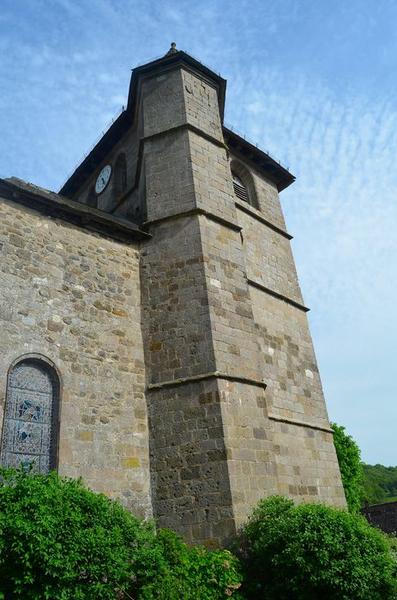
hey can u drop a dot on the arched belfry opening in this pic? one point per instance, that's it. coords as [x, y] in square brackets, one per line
[30, 426]
[120, 176]
[243, 184]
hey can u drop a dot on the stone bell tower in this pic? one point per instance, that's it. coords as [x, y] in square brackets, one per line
[235, 404]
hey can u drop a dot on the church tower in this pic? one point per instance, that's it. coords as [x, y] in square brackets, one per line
[226, 389]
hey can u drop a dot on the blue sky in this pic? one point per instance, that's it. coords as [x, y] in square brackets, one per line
[313, 82]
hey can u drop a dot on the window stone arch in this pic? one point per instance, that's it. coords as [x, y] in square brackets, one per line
[120, 176]
[243, 184]
[30, 426]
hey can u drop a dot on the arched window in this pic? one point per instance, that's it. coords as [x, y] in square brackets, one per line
[120, 176]
[239, 188]
[92, 198]
[243, 184]
[30, 427]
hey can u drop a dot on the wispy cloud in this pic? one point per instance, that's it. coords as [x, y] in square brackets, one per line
[341, 144]
[313, 82]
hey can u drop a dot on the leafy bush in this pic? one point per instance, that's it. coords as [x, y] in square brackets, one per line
[192, 573]
[350, 465]
[392, 542]
[61, 541]
[314, 551]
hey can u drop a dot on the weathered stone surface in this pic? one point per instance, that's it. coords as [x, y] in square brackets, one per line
[97, 352]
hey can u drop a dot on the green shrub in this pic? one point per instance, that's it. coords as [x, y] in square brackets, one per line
[391, 540]
[312, 551]
[192, 573]
[61, 541]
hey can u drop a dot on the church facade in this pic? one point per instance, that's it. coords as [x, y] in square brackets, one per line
[154, 337]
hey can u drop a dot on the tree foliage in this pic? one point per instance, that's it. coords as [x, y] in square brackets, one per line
[60, 540]
[349, 458]
[192, 573]
[314, 551]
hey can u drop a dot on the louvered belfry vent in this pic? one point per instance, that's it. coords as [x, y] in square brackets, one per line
[239, 188]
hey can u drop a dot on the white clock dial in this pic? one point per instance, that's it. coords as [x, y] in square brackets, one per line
[103, 179]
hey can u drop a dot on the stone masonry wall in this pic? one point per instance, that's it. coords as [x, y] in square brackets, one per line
[190, 479]
[294, 388]
[162, 102]
[168, 175]
[268, 258]
[249, 442]
[305, 461]
[74, 297]
[234, 336]
[268, 199]
[176, 323]
[190, 482]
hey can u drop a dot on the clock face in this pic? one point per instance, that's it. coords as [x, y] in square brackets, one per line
[103, 179]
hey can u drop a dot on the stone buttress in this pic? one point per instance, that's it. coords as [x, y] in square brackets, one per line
[229, 423]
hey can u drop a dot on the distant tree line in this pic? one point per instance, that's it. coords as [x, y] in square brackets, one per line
[363, 484]
[380, 484]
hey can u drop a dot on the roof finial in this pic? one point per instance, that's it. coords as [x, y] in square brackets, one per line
[172, 50]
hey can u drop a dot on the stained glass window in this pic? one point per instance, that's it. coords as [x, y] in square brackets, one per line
[31, 416]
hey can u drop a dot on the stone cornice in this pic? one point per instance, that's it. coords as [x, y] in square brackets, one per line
[204, 377]
[191, 213]
[83, 216]
[267, 290]
[300, 423]
[253, 212]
